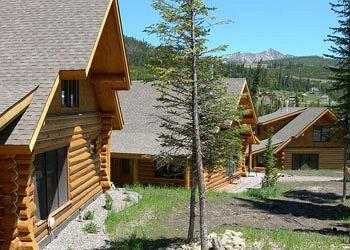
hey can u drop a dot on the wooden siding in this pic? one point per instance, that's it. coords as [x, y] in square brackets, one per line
[329, 158]
[263, 131]
[76, 131]
[216, 179]
[87, 99]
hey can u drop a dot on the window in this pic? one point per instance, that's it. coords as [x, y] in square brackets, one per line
[170, 170]
[304, 161]
[50, 181]
[70, 93]
[126, 166]
[321, 133]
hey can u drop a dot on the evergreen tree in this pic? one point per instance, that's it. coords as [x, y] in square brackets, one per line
[269, 161]
[340, 51]
[194, 101]
[254, 88]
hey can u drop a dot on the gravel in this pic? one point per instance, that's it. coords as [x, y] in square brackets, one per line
[74, 237]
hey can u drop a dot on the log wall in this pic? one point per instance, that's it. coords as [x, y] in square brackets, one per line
[77, 132]
[8, 202]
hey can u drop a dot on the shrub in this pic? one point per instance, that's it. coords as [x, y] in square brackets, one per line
[88, 215]
[108, 202]
[90, 228]
[271, 173]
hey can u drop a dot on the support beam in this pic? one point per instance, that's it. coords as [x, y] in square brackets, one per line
[111, 81]
[135, 171]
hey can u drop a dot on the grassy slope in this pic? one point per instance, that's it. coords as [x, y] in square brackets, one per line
[149, 223]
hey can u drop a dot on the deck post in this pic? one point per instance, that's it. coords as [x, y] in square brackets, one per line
[135, 171]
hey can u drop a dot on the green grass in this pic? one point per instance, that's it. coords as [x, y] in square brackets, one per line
[90, 228]
[88, 215]
[156, 204]
[261, 193]
[288, 240]
[149, 224]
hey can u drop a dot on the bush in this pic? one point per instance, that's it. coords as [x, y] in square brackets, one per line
[88, 215]
[90, 228]
[108, 202]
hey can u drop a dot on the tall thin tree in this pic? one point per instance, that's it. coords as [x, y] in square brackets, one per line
[194, 102]
[340, 51]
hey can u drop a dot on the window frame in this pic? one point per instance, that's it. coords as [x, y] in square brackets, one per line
[297, 160]
[321, 135]
[59, 171]
[169, 164]
[70, 94]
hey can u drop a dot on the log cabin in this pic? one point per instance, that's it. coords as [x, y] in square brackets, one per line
[134, 150]
[303, 138]
[62, 63]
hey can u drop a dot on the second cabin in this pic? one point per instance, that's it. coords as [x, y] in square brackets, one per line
[134, 149]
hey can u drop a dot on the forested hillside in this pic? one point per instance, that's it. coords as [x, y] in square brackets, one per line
[296, 74]
[139, 54]
[304, 66]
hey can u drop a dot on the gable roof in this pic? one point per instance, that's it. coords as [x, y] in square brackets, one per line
[49, 36]
[294, 128]
[142, 126]
[281, 113]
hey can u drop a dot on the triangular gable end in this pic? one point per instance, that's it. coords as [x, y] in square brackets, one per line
[107, 68]
[246, 100]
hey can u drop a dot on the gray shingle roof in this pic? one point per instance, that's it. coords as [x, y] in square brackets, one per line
[39, 38]
[293, 128]
[280, 113]
[142, 127]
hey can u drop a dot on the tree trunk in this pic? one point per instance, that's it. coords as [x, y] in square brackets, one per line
[198, 163]
[190, 235]
[345, 169]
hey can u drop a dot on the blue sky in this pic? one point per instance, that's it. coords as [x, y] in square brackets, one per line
[296, 27]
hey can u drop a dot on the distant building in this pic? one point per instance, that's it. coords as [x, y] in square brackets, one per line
[302, 139]
[314, 90]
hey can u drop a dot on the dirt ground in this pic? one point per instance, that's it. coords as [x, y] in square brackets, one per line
[307, 207]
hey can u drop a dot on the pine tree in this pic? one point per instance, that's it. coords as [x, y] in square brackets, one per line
[269, 161]
[254, 88]
[340, 51]
[194, 102]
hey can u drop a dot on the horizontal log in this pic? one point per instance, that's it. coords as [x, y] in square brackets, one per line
[7, 164]
[83, 171]
[77, 183]
[9, 175]
[81, 165]
[84, 186]
[9, 187]
[25, 169]
[10, 221]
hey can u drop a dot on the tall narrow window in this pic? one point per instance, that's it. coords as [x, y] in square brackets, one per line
[321, 133]
[70, 93]
[50, 181]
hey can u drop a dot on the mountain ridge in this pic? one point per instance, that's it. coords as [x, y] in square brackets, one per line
[267, 55]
